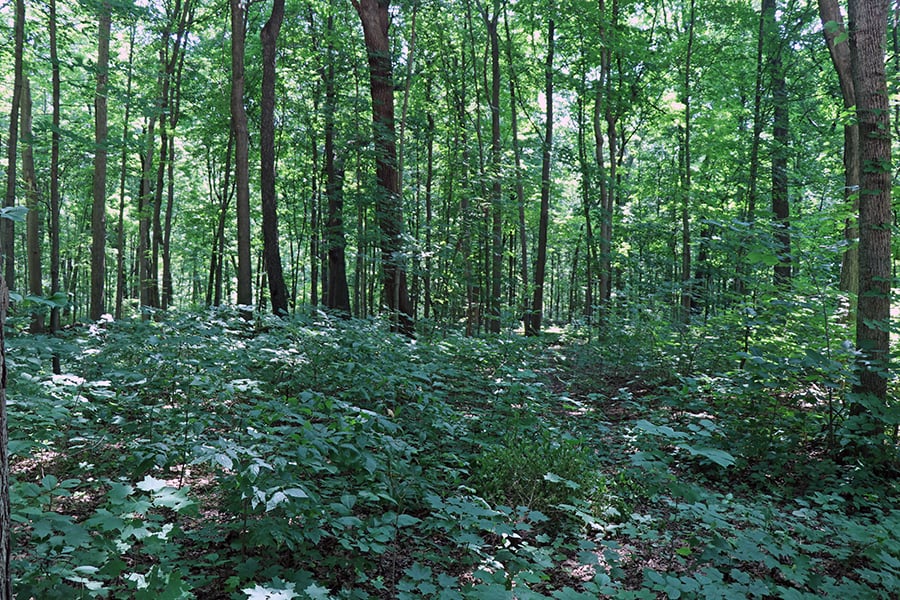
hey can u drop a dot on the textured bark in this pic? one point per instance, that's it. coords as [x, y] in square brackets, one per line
[241, 159]
[54, 178]
[687, 287]
[121, 279]
[271, 249]
[868, 22]
[33, 237]
[535, 316]
[491, 22]
[375, 20]
[98, 211]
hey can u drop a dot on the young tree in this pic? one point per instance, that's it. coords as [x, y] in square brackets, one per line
[375, 18]
[33, 241]
[7, 230]
[271, 250]
[868, 26]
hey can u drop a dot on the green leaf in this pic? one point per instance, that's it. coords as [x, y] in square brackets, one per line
[16, 214]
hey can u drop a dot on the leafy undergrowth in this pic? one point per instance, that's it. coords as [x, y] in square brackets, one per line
[205, 457]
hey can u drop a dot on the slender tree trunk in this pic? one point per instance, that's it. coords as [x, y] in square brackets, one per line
[533, 320]
[145, 211]
[517, 157]
[7, 229]
[5, 538]
[54, 179]
[868, 21]
[491, 22]
[98, 213]
[271, 249]
[780, 200]
[375, 19]
[241, 159]
[687, 288]
[338, 297]
[34, 218]
[839, 49]
[120, 225]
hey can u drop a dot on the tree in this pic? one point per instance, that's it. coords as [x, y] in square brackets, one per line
[375, 20]
[33, 241]
[98, 211]
[868, 23]
[781, 139]
[271, 250]
[534, 317]
[5, 538]
[491, 21]
[7, 230]
[836, 38]
[241, 157]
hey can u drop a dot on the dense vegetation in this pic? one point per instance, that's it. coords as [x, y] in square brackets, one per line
[207, 457]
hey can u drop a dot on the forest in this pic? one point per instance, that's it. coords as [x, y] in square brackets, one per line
[450, 299]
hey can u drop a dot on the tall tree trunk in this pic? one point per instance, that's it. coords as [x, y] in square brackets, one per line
[120, 224]
[241, 159]
[839, 49]
[98, 212]
[338, 294]
[217, 259]
[491, 22]
[517, 157]
[781, 140]
[7, 228]
[271, 249]
[687, 288]
[33, 238]
[54, 179]
[5, 537]
[868, 23]
[145, 211]
[533, 320]
[375, 18]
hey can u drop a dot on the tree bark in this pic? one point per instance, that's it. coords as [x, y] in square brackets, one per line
[839, 49]
[54, 178]
[868, 23]
[241, 160]
[491, 22]
[33, 237]
[5, 537]
[101, 129]
[535, 316]
[121, 280]
[687, 288]
[781, 139]
[375, 20]
[271, 249]
[7, 228]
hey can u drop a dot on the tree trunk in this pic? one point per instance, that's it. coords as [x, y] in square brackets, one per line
[241, 160]
[375, 19]
[98, 212]
[34, 218]
[271, 249]
[5, 538]
[868, 23]
[781, 140]
[533, 319]
[687, 288]
[54, 179]
[491, 22]
[7, 228]
[338, 294]
[839, 49]
[120, 225]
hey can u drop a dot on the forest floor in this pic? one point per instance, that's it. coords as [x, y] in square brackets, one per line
[207, 458]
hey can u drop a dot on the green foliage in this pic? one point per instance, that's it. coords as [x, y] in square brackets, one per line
[318, 458]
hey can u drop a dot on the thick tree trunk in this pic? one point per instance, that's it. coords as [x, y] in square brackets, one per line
[868, 22]
[271, 249]
[375, 20]
[535, 316]
[781, 139]
[33, 237]
[241, 160]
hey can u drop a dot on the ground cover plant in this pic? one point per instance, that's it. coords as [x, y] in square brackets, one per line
[204, 456]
